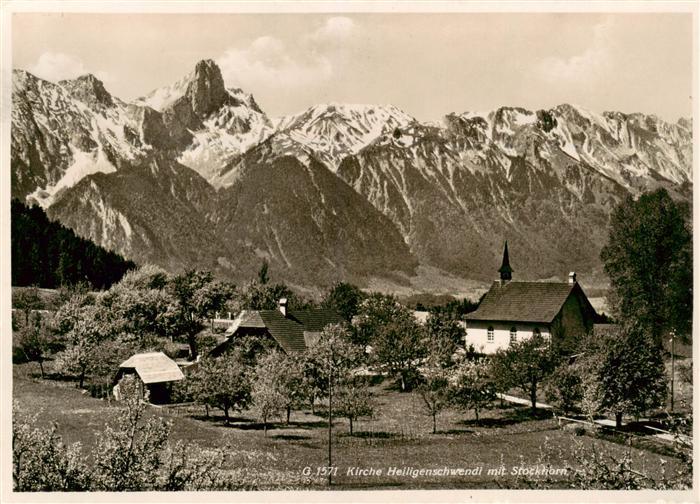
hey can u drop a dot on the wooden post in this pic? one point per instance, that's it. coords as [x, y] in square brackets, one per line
[330, 416]
[673, 364]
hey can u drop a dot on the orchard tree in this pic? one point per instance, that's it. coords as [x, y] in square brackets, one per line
[223, 382]
[434, 390]
[36, 340]
[444, 335]
[353, 399]
[345, 299]
[268, 392]
[471, 386]
[376, 311]
[292, 382]
[649, 261]
[629, 372]
[138, 302]
[194, 298]
[564, 388]
[128, 457]
[26, 300]
[525, 365]
[41, 462]
[87, 332]
[398, 346]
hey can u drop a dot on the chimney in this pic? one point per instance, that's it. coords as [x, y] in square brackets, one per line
[283, 306]
[572, 277]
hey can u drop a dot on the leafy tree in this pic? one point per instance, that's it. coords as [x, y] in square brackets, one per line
[257, 296]
[444, 335]
[27, 300]
[353, 399]
[292, 381]
[525, 364]
[128, 457]
[268, 392]
[455, 309]
[36, 341]
[564, 388]
[434, 391]
[85, 335]
[195, 297]
[132, 454]
[398, 346]
[330, 360]
[649, 261]
[376, 311]
[344, 298]
[222, 382]
[629, 372]
[471, 386]
[41, 462]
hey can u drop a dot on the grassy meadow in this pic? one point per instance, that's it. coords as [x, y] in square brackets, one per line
[400, 435]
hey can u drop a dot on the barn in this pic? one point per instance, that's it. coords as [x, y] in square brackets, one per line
[512, 311]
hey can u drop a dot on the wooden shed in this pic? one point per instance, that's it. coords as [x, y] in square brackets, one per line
[156, 372]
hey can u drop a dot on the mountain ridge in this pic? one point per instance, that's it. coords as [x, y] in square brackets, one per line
[443, 195]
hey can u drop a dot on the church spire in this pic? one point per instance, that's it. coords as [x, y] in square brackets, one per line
[505, 269]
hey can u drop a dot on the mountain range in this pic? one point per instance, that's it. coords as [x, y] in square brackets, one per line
[197, 175]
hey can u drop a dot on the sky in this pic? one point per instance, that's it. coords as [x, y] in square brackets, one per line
[426, 64]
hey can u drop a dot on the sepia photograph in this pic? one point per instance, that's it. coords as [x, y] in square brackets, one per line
[299, 250]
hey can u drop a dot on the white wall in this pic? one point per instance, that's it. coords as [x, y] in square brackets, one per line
[477, 334]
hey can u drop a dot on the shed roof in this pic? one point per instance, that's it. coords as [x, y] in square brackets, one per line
[153, 367]
[524, 301]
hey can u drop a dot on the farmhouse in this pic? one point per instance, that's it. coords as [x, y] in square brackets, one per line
[156, 372]
[512, 311]
[291, 330]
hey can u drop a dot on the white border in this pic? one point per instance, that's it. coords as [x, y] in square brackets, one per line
[185, 7]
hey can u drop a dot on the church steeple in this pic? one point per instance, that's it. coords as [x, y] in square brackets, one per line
[505, 269]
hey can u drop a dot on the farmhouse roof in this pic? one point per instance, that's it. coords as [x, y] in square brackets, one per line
[153, 367]
[247, 319]
[523, 301]
[290, 331]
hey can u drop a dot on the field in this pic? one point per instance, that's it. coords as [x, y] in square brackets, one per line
[399, 436]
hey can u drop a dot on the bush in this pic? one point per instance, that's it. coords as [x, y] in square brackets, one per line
[133, 454]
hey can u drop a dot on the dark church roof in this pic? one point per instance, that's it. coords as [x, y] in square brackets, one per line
[293, 332]
[524, 301]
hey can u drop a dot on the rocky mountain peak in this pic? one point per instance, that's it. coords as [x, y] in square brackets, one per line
[206, 91]
[88, 89]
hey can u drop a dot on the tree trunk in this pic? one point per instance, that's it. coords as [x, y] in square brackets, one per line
[289, 412]
[403, 384]
[476, 414]
[618, 420]
[206, 408]
[41, 368]
[313, 404]
[533, 398]
[265, 427]
[434, 424]
[82, 379]
[226, 415]
[192, 340]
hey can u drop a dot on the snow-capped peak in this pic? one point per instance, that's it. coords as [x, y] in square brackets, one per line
[335, 130]
[161, 98]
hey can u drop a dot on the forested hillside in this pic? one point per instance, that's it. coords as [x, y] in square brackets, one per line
[48, 254]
